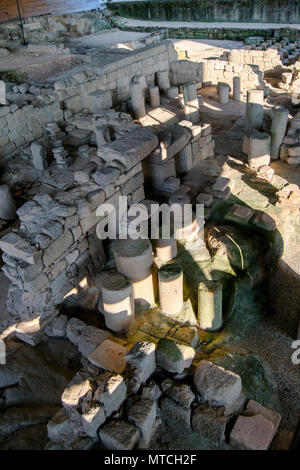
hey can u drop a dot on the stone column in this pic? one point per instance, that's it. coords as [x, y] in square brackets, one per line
[172, 92]
[237, 88]
[134, 259]
[223, 90]
[154, 96]
[100, 136]
[184, 160]
[141, 80]
[210, 305]
[7, 204]
[191, 102]
[166, 249]
[137, 100]
[254, 109]
[118, 306]
[258, 149]
[170, 282]
[39, 157]
[278, 130]
[163, 80]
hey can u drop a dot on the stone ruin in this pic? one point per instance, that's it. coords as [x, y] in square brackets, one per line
[136, 128]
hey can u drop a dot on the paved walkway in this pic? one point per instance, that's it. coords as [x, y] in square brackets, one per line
[205, 25]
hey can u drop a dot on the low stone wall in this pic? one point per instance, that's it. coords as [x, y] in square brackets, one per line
[52, 28]
[20, 123]
[212, 72]
[266, 60]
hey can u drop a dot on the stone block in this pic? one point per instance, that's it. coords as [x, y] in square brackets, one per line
[92, 418]
[111, 392]
[172, 356]
[179, 392]
[77, 390]
[117, 434]
[216, 385]
[210, 422]
[176, 412]
[109, 356]
[74, 329]
[97, 100]
[91, 337]
[252, 433]
[141, 358]
[142, 414]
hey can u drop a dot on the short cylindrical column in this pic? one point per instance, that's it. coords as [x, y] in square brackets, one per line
[278, 130]
[223, 91]
[141, 80]
[172, 92]
[191, 108]
[134, 259]
[237, 88]
[7, 204]
[166, 249]
[154, 96]
[100, 137]
[258, 149]
[137, 100]
[210, 305]
[118, 306]
[184, 160]
[163, 80]
[170, 285]
[254, 109]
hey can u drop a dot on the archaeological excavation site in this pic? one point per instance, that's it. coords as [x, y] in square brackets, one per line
[149, 225]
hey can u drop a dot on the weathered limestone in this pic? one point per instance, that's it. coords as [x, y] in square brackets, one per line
[237, 88]
[176, 412]
[210, 422]
[172, 92]
[141, 80]
[117, 296]
[210, 305]
[134, 259]
[90, 338]
[92, 418]
[3, 99]
[38, 154]
[223, 90]
[154, 96]
[278, 130]
[184, 160]
[258, 149]
[109, 356]
[216, 385]
[191, 102]
[117, 434]
[163, 80]
[141, 358]
[254, 109]
[174, 357]
[111, 392]
[170, 281]
[166, 249]
[7, 204]
[142, 414]
[179, 392]
[239, 214]
[137, 100]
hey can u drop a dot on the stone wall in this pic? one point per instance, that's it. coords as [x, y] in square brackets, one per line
[268, 11]
[52, 28]
[267, 60]
[212, 72]
[20, 123]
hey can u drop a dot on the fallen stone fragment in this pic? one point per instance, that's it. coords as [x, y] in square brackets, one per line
[7, 204]
[111, 392]
[77, 389]
[172, 356]
[143, 414]
[90, 338]
[252, 433]
[141, 358]
[119, 435]
[109, 356]
[61, 429]
[179, 392]
[176, 412]
[210, 422]
[92, 418]
[216, 385]
[75, 327]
